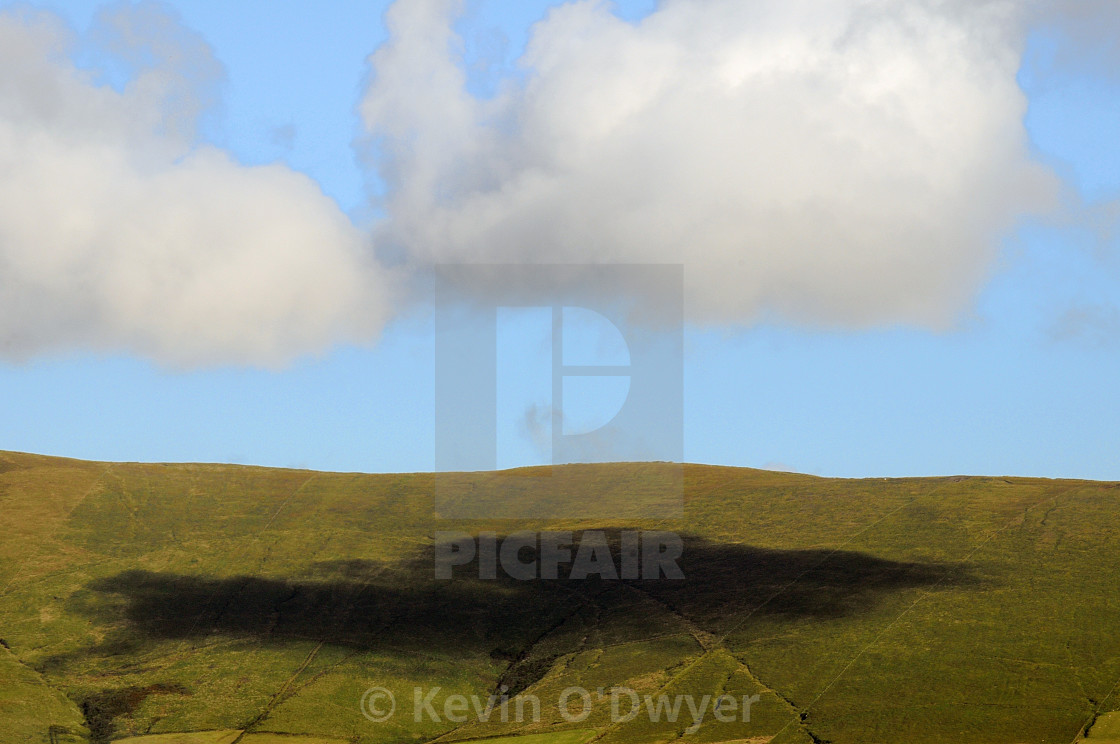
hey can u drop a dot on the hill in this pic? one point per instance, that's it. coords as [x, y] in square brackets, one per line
[259, 605]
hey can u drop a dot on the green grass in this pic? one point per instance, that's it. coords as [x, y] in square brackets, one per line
[30, 708]
[195, 737]
[229, 737]
[1105, 729]
[574, 736]
[142, 600]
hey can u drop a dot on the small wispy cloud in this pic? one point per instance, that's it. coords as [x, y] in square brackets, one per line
[535, 426]
[1093, 324]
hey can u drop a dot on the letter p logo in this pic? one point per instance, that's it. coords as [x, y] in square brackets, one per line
[562, 365]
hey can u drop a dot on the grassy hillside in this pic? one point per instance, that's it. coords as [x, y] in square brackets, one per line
[246, 603]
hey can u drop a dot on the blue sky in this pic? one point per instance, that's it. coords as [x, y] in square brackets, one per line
[1022, 380]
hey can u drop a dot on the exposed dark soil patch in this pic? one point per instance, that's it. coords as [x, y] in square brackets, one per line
[101, 709]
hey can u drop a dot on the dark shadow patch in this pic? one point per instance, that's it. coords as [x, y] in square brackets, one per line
[723, 580]
[369, 605]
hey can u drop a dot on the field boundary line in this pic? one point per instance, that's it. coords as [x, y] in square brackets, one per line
[277, 697]
[1096, 712]
[720, 640]
[38, 551]
[922, 597]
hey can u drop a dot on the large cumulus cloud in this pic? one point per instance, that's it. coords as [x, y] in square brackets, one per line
[842, 162]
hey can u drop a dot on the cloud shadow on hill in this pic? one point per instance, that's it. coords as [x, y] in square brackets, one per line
[370, 604]
[401, 607]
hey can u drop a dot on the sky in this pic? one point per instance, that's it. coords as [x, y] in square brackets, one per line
[897, 222]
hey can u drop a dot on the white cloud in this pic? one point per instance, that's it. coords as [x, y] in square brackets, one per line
[119, 232]
[849, 162]
[837, 162]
